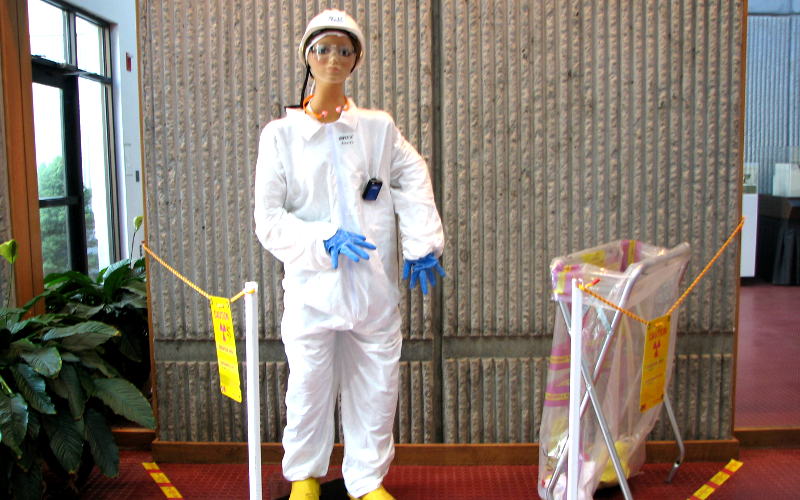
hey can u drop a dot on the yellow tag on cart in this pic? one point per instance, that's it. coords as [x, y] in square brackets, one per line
[597, 258]
[561, 285]
[654, 363]
[226, 348]
[631, 252]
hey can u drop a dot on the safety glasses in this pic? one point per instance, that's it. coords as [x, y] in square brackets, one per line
[323, 51]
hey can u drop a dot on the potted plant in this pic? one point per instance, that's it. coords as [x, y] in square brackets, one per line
[58, 391]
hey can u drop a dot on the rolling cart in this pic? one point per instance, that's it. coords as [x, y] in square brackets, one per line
[618, 351]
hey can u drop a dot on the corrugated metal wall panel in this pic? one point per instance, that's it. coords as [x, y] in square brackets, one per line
[493, 400]
[772, 133]
[415, 421]
[548, 126]
[794, 96]
[193, 412]
[701, 395]
[485, 400]
[500, 399]
[649, 153]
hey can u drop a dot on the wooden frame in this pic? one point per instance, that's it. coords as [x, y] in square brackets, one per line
[15, 54]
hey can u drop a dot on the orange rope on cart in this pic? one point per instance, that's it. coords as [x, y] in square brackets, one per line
[585, 288]
[186, 280]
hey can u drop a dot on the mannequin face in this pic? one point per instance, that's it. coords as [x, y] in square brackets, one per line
[331, 60]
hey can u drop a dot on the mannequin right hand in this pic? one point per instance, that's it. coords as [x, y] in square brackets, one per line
[349, 244]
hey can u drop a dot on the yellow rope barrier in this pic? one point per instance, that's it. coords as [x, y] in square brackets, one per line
[708, 266]
[678, 302]
[615, 306]
[185, 279]
[584, 288]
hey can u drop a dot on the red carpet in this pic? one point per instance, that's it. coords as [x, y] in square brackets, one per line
[770, 474]
[767, 377]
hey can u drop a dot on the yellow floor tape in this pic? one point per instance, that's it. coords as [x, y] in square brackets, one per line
[715, 482]
[161, 480]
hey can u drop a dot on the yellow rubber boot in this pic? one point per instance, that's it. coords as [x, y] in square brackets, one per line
[307, 489]
[378, 494]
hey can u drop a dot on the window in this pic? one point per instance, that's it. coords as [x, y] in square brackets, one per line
[72, 95]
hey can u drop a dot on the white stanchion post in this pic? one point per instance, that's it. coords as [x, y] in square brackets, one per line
[575, 391]
[253, 384]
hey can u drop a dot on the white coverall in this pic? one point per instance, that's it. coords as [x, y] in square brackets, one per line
[341, 328]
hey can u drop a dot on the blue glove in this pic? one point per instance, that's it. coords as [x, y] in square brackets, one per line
[422, 270]
[347, 243]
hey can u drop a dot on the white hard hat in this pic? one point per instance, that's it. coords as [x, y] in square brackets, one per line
[332, 19]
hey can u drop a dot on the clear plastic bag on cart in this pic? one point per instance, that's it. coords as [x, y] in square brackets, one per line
[638, 277]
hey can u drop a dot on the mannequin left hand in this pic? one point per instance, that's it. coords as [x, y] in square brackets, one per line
[422, 271]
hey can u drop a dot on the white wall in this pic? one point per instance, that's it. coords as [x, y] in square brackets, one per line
[121, 14]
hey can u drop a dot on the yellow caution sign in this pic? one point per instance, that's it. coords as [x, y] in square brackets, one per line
[654, 363]
[226, 348]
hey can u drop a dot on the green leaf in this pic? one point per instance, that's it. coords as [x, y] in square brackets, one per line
[130, 349]
[91, 359]
[30, 454]
[82, 336]
[87, 382]
[10, 316]
[139, 266]
[43, 320]
[5, 409]
[101, 443]
[34, 425]
[121, 266]
[133, 302]
[19, 326]
[22, 345]
[5, 387]
[32, 387]
[45, 360]
[83, 311]
[17, 348]
[69, 357]
[8, 250]
[58, 386]
[13, 421]
[66, 441]
[136, 287]
[73, 278]
[117, 275]
[126, 400]
[76, 396]
[137, 222]
[28, 485]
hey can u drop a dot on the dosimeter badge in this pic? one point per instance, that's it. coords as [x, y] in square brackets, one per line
[372, 189]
